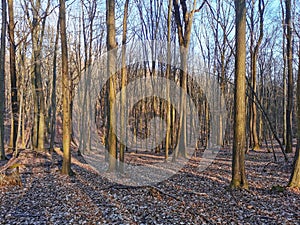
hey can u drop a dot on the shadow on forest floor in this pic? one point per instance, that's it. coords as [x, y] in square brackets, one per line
[189, 197]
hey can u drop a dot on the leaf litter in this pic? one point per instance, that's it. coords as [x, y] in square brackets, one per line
[189, 197]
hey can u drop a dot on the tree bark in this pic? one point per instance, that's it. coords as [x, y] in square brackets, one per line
[2, 79]
[123, 85]
[37, 26]
[295, 176]
[290, 85]
[254, 54]
[238, 157]
[111, 65]
[168, 73]
[53, 96]
[184, 29]
[66, 167]
[13, 74]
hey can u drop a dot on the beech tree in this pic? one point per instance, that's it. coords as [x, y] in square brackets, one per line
[239, 139]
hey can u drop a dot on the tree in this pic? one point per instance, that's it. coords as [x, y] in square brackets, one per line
[239, 140]
[295, 176]
[66, 97]
[53, 96]
[37, 28]
[168, 73]
[13, 74]
[290, 83]
[2, 79]
[123, 85]
[184, 22]
[254, 50]
[111, 66]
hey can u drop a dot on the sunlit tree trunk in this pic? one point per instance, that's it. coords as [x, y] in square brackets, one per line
[238, 158]
[66, 167]
[111, 65]
[184, 29]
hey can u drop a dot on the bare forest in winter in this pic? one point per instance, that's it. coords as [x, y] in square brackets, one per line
[150, 112]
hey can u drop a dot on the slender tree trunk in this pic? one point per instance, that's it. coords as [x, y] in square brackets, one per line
[2, 79]
[168, 73]
[66, 167]
[53, 97]
[238, 161]
[123, 85]
[13, 74]
[254, 111]
[284, 75]
[254, 55]
[290, 85]
[295, 176]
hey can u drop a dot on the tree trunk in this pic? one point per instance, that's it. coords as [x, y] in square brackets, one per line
[184, 36]
[111, 65]
[13, 74]
[290, 86]
[37, 32]
[123, 94]
[284, 75]
[295, 176]
[254, 54]
[66, 167]
[168, 73]
[53, 97]
[2, 79]
[238, 157]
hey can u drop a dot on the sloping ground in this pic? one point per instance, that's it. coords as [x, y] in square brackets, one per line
[189, 197]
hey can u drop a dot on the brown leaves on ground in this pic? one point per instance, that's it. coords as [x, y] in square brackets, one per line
[189, 197]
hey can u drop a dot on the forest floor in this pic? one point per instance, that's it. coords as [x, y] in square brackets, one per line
[189, 197]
